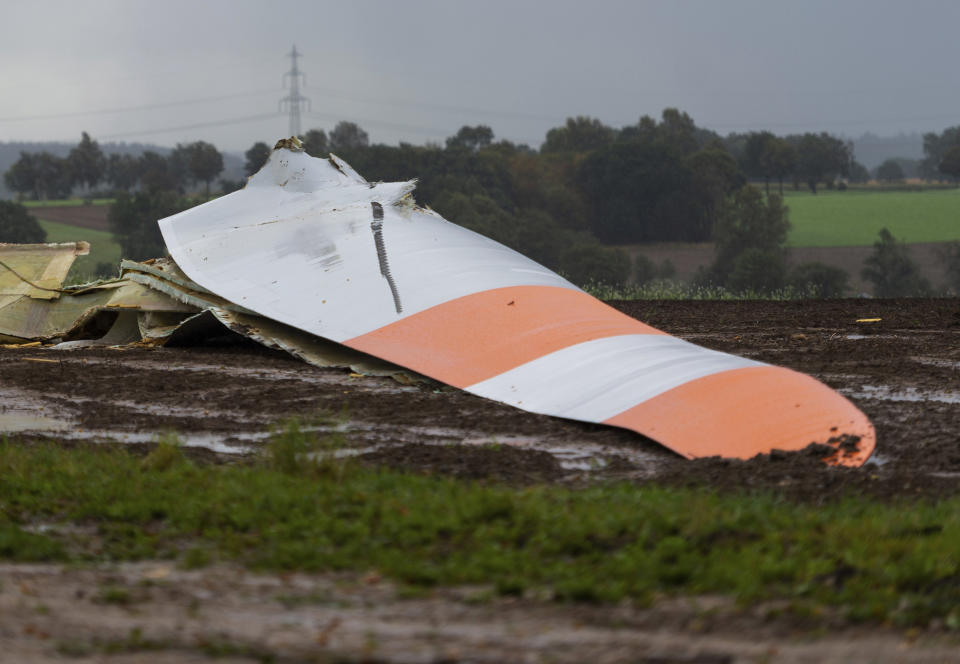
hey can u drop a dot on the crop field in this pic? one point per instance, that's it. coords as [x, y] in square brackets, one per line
[853, 218]
[176, 504]
[36, 206]
[102, 247]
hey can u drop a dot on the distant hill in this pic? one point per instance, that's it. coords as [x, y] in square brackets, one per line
[9, 153]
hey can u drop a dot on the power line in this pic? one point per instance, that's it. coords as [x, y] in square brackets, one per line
[432, 106]
[145, 107]
[198, 125]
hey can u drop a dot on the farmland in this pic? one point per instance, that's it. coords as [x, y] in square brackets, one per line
[102, 247]
[474, 525]
[839, 228]
[854, 217]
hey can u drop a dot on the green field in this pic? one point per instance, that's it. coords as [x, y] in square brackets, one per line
[65, 202]
[290, 510]
[102, 248]
[853, 218]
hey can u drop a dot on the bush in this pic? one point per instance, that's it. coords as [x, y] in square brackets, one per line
[950, 256]
[19, 226]
[892, 271]
[819, 280]
[759, 270]
[645, 270]
[592, 263]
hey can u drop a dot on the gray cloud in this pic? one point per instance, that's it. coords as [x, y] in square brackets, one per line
[417, 70]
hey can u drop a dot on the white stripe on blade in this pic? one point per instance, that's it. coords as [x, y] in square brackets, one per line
[599, 379]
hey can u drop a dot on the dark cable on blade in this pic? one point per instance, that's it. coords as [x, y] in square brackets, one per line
[377, 227]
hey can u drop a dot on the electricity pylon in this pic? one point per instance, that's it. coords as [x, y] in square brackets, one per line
[294, 101]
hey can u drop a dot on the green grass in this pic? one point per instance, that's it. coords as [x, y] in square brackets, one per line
[854, 217]
[870, 561]
[102, 248]
[66, 202]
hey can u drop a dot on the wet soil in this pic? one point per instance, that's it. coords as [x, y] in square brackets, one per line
[83, 216]
[903, 371]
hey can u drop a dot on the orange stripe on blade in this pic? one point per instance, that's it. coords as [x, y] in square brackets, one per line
[475, 337]
[744, 412]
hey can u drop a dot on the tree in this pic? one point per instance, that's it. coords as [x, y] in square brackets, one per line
[21, 177]
[820, 158]
[892, 271]
[155, 172]
[935, 147]
[754, 150]
[716, 174]
[42, 175]
[178, 166]
[579, 134]
[890, 171]
[315, 143]
[348, 136]
[471, 138]
[53, 176]
[950, 164]
[18, 225]
[123, 171]
[133, 221]
[204, 162]
[85, 163]
[780, 160]
[678, 130]
[257, 156]
[859, 173]
[751, 237]
[641, 191]
[767, 157]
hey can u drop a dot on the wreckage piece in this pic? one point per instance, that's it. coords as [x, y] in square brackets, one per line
[30, 273]
[153, 303]
[214, 313]
[34, 306]
[311, 244]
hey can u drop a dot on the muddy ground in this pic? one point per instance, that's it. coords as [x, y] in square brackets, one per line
[902, 371]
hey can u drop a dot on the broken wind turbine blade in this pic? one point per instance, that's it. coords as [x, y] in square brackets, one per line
[310, 243]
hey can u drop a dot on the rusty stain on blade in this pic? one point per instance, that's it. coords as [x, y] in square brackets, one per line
[482, 317]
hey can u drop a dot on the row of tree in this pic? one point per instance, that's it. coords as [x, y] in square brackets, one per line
[590, 185]
[43, 176]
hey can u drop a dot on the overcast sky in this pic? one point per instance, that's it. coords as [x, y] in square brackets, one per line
[168, 71]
